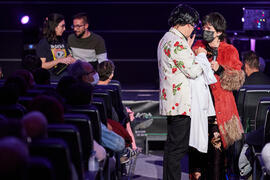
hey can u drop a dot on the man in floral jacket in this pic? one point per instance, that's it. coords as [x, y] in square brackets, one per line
[176, 63]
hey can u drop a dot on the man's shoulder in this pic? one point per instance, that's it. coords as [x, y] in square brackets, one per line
[96, 36]
[257, 78]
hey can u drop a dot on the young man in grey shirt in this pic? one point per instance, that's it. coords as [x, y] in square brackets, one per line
[85, 44]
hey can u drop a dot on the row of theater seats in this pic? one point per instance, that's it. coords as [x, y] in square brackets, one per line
[253, 103]
[72, 142]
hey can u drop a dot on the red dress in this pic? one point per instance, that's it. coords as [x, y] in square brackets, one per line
[231, 78]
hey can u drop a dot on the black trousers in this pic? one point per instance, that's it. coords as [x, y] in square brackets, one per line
[176, 146]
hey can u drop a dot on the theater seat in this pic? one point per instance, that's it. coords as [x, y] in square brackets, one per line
[57, 152]
[70, 134]
[83, 124]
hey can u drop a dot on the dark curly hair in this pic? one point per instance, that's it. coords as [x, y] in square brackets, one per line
[217, 21]
[105, 69]
[182, 15]
[49, 25]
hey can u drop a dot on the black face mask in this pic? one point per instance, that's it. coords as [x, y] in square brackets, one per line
[208, 36]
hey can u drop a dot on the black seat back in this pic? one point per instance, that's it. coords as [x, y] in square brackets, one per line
[40, 168]
[115, 93]
[25, 101]
[262, 108]
[252, 98]
[57, 152]
[267, 127]
[70, 134]
[13, 111]
[83, 124]
[99, 103]
[104, 94]
[94, 116]
[241, 96]
[240, 101]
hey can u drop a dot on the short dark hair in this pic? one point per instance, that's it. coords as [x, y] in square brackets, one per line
[182, 15]
[31, 62]
[252, 59]
[42, 76]
[217, 21]
[76, 70]
[105, 69]
[81, 15]
[80, 93]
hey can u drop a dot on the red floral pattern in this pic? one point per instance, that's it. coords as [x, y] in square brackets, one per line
[176, 88]
[164, 96]
[178, 47]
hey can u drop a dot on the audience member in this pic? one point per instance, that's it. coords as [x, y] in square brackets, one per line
[42, 76]
[13, 159]
[52, 49]
[81, 94]
[27, 76]
[50, 107]
[252, 70]
[18, 84]
[31, 62]
[64, 83]
[84, 72]
[35, 125]
[85, 44]
[106, 72]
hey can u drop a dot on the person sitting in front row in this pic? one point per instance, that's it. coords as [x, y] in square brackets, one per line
[252, 70]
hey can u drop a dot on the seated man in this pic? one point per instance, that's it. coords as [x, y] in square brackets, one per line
[35, 125]
[252, 66]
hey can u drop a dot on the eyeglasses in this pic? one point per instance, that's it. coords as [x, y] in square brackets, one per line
[77, 26]
[87, 73]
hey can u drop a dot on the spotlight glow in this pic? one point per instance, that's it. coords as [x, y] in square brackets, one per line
[243, 19]
[25, 19]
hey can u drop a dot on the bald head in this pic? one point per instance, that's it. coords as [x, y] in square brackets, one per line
[35, 124]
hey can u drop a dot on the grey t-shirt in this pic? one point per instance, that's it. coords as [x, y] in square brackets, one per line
[90, 49]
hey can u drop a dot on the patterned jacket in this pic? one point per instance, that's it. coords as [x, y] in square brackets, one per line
[176, 66]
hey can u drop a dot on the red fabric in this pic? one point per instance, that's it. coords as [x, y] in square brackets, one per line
[225, 105]
[121, 131]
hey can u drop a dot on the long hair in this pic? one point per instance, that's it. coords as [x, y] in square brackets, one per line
[50, 23]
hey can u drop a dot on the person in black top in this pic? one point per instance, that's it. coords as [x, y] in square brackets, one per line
[52, 49]
[252, 65]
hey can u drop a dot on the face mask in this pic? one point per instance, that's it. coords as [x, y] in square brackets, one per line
[208, 36]
[96, 79]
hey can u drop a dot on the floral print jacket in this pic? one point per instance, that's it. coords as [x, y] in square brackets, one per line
[176, 66]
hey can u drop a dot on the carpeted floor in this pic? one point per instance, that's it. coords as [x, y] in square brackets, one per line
[149, 167]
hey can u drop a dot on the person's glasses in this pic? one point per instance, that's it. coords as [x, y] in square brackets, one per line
[87, 73]
[77, 26]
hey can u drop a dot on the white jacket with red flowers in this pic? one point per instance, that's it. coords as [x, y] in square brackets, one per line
[176, 66]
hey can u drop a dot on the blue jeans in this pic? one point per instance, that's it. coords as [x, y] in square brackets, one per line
[111, 140]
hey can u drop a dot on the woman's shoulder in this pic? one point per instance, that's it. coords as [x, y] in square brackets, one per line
[43, 42]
